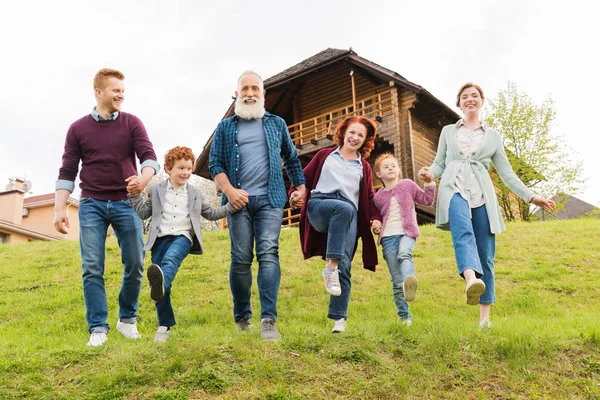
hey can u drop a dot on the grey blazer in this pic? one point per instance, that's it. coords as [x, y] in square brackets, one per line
[153, 207]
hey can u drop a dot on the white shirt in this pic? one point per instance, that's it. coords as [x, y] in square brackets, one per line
[176, 215]
[468, 144]
[393, 225]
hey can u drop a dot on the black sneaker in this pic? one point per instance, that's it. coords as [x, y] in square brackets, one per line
[157, 282]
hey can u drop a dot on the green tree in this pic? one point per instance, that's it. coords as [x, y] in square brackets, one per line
[539, 157]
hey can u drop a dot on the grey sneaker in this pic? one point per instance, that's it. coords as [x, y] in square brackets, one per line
[243, 325]
[157, 282]
[331, 277]
[410, 287]
[268, 330]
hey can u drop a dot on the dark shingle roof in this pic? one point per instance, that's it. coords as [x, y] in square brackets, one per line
[320, 58]
[572, 207]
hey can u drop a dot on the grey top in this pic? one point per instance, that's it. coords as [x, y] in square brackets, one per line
[254, 156]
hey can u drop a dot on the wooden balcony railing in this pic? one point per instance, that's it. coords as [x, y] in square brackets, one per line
[319, 127]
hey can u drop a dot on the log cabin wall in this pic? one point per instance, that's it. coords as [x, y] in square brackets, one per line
[404, 152]
[331, 90]
[425, 139]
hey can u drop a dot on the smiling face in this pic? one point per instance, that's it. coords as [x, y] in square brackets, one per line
[250, 97]
[354, 137]
[111, 96]
[180, 173]
[470, 101]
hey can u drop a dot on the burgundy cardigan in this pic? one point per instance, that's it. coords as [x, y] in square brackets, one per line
[314, 243]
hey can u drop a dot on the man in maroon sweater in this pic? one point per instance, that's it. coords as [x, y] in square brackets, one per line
[107, 143]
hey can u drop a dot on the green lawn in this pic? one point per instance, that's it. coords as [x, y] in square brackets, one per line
[545, 342]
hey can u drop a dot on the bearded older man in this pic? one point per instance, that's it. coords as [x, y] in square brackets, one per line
[245, 162]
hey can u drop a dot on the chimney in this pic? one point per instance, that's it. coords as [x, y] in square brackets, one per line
[11, 201]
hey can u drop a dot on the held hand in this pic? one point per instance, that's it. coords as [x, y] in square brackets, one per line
[133, 185]
[238, 198]
[61, 221]
[546, 204]
[425, 175]
[296, 199]
[376, 226]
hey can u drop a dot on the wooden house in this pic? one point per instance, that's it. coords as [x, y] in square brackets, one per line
[316, 94]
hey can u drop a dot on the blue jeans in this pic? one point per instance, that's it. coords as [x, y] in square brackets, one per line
[168, 252]
[397, 251]
[258, 223]
[474, 244]
[335, 215]
[94, 218]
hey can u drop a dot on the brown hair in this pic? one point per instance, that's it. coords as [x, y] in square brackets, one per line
[176, 154]
[466, 86]
[369, 143]
[103, 75]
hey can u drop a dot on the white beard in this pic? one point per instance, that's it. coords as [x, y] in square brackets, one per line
[250, 111]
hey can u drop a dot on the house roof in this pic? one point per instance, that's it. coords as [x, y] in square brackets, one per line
[572, 207]
[331, 55]
[318, 60]
[7, 226]
[327, 57]
[44, 200]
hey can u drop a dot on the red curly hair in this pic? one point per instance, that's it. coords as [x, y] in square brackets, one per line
[369, 143]
[102, 76]
[176, 154]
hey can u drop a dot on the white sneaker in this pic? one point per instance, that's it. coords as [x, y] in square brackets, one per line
[406, 322]
[339, 326]
[97, 339]
[331, 277]
[485, 324]
[128, 330]
[410, 287]
[162, 334]
[474, 290]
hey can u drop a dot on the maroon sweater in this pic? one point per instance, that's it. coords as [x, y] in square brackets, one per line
[313, 242]
[107, 151]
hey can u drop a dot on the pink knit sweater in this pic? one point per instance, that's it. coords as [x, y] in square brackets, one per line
[407, 193]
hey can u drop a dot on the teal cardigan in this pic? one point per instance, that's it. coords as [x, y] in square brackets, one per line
[448, 164]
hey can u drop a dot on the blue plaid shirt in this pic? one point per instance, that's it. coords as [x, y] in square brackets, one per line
[225, 156]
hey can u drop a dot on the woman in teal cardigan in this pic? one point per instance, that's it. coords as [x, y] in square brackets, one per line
[467, 204]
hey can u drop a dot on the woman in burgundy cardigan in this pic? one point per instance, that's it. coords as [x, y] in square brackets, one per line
[338, 209]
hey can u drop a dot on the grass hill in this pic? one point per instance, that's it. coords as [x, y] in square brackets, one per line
[545, 342]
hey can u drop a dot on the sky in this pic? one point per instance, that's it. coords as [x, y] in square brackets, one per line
[182, 58]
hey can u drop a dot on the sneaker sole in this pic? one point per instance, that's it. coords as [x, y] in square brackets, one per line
[474, 293]
[156, 279]
[410, 288]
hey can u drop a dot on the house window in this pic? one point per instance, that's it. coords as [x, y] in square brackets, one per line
[4, 237]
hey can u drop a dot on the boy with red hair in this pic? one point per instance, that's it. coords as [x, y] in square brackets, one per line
[175, 207]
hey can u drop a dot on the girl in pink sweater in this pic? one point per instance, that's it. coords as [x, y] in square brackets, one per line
[399, 230]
